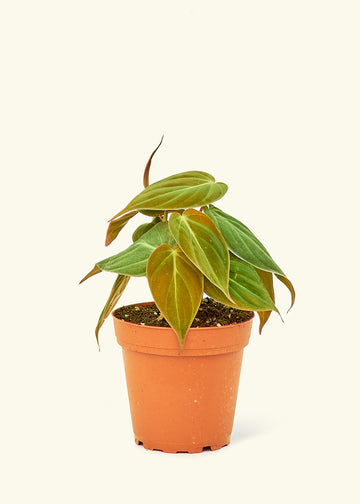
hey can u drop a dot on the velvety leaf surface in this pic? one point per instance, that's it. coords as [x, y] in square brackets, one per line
[203, 244]
[144, 228]
[176, 286]
[187, 189]
[245, 288]
[116, 291]
[116, 226]
[132, 261]
[242, 242]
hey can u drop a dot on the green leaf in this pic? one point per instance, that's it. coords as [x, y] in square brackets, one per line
[267, 279]
[93, 272]
[132, 261]
[116, 226]
[176, 286]
[144, 228]
[116, 291]
[203, 244]
[187, 189]
[242, 242]
[245, 288]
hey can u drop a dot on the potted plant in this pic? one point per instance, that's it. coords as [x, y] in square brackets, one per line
[183, 352]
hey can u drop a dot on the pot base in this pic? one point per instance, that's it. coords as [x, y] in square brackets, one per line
[170, 449]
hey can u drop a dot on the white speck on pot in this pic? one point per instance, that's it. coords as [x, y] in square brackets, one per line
[218, 325]
[195, 400]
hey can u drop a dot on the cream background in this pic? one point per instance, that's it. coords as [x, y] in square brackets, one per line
[265, 96]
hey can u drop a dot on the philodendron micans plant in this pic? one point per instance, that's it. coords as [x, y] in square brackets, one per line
[185, 252]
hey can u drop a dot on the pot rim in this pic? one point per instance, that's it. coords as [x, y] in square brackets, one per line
[198, 340]
[146, 303]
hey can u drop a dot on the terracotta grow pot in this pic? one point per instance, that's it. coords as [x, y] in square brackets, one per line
[182, 402]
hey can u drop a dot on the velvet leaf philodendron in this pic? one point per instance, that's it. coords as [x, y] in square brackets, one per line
[185, 252]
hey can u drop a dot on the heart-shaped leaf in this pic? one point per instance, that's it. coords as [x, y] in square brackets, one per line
[187, 189]
[245, 287]
[132, 261]
[242, 242]
[116, 226]
[203, 244]
[176, 286]
[116, 291]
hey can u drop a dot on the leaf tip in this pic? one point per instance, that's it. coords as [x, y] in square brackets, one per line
[97, 336]
[148, 164]
[93, 272]
[292, 302]
[181, 340]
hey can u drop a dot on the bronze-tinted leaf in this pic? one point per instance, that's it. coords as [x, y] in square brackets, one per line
[176, 286]
[93, 272]
[148, 164]
[116, 226]
[267, 279]
[116, 291]
[184, 190]
[289, 285]
[203, 244]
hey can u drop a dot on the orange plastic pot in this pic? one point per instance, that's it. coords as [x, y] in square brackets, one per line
[182, 402]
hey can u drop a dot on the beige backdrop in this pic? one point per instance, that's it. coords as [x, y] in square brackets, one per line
[265, 96]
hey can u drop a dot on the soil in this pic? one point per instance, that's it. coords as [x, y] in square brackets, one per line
[210, 314]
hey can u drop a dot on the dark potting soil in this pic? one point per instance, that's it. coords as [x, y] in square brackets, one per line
[210, 314]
